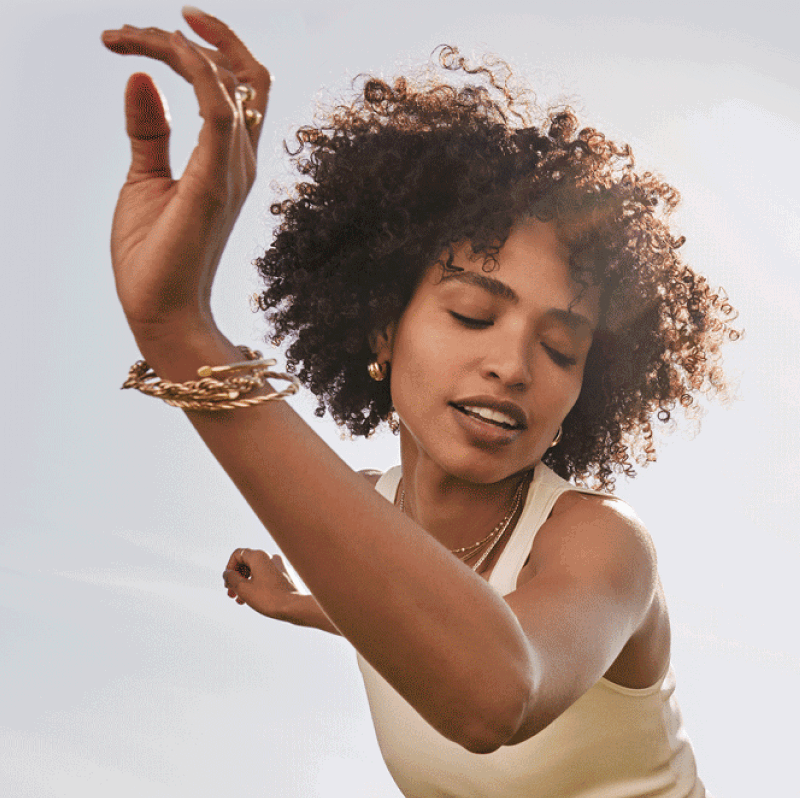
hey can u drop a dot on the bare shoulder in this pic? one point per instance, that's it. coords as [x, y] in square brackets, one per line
[602, 513]
[594, 559]
[595, 533]
[371, 475]
[608, 532]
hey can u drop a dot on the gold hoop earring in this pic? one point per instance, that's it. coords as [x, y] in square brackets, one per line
[557, 438]
[378, 371]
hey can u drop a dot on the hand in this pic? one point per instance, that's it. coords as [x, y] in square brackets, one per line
[168, 235]
[261, 581]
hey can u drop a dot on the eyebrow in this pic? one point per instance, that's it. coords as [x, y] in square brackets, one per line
[491, 284]
[500, 289]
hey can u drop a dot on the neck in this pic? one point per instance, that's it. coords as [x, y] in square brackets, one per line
[454, 511]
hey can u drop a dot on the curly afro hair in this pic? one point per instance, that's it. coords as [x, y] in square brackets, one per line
[394, 179]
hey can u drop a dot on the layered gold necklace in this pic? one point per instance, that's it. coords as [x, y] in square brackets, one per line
[493, 538]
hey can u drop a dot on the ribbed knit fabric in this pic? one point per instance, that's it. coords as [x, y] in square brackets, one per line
[614, 742]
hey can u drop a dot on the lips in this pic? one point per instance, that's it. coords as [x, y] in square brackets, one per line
[503, 414]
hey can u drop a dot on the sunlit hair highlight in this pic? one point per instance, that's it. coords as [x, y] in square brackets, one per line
[394, 178]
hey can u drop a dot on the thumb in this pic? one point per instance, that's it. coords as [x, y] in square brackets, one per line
[147, 124]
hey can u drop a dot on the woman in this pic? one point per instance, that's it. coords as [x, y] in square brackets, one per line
[510, 299]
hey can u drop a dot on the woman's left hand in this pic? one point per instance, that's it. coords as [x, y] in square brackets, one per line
[261, 581]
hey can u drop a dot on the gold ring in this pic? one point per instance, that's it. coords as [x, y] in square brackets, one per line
[244, 93]
[252, 117]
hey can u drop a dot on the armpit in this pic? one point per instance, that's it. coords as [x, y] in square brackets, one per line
[371, 475]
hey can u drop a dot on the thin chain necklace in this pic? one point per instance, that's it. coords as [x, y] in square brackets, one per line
[492, 539]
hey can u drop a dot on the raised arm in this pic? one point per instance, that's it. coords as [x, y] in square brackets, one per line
[436, 631]
[262, 583]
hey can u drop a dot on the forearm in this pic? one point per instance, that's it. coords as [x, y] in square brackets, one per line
[431, 627]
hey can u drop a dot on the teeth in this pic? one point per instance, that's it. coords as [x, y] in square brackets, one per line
[491, 415]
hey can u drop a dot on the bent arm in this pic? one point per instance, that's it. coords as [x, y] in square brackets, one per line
[436, 631]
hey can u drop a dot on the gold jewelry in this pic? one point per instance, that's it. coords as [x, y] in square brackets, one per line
[378, 371]
[557, 438]
[492, 539]
[252, 117]
[244, 93]
[211, 393]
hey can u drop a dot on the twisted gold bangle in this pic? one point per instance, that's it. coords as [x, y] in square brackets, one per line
[211, 393]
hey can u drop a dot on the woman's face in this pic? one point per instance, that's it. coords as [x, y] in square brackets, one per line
[486, 365]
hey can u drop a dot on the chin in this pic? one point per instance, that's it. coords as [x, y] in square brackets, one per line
[468, 463]
[483, 471]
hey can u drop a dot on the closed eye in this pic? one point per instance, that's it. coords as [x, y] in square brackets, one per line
[472, 324]
[559, 358]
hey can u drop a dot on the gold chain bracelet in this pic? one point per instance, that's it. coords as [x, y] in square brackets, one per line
[211, 393]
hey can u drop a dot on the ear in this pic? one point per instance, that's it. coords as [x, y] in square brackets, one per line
[382, 341]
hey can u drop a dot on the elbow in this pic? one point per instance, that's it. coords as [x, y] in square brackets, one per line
[483, 744]
[487, 737]
[498, 724]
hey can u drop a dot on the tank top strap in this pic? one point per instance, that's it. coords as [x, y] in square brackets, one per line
[545, 489]
[388, 482]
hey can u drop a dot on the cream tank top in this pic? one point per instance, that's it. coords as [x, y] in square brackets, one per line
[613, 742]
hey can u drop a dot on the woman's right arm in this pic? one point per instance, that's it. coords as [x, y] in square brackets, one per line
[435, 630]
[262, 582]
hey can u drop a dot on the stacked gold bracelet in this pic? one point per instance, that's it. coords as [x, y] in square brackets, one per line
[211, 393]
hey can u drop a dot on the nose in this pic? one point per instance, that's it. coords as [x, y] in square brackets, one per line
[508, 360]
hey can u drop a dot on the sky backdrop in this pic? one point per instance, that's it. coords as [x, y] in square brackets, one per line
[126, 670]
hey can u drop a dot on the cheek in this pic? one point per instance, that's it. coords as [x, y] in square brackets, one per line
[572, 384]
[413, 381]
[562, 389]
[420, 370]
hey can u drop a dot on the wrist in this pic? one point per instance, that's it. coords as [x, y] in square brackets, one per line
[296, 608]
[177, 348]
[302, 609]
[189, 323]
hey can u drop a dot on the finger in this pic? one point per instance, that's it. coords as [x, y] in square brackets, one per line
[166, 47]
[233, 564]
[150, 42]
[171, 48]
[238, 556]
[244, 564]
[244, 66]
[147, 123]
[235, 582]
[235, 558]
[221, 121]
[156, 43]
[222, 108]
[217, 106]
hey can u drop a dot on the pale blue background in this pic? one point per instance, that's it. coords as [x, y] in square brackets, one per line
[125, 669]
